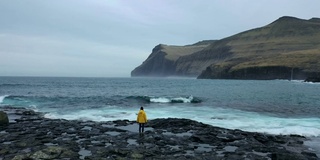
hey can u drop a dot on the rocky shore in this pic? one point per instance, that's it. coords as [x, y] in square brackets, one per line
[30, 136]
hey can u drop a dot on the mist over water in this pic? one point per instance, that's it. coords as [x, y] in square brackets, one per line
[276, 107]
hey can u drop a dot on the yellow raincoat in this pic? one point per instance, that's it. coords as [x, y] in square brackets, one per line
[142, 117]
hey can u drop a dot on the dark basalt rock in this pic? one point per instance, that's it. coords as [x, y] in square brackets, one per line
[34, 137]
[312, 79]
[256, 73]
[3, 119]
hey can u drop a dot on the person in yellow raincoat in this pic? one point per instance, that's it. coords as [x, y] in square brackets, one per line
[141, 119]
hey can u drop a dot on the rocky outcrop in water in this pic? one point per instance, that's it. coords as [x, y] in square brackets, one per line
[270, 52]
[30, 136]
[313, 79]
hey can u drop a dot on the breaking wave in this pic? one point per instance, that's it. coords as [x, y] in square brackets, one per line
[153, 99]
[91, 101]
[3, 97]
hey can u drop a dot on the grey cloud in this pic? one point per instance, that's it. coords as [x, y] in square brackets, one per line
[91, 38]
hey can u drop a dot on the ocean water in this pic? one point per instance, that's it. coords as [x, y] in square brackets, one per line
[275, 106]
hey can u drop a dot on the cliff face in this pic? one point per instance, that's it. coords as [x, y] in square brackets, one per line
[287, 48]
[156, 64]
[163, 61]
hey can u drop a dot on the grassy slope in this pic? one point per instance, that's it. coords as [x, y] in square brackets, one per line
[174, 52]
[287, 42]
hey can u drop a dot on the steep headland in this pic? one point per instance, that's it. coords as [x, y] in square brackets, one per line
[163, 60]
[287, 48]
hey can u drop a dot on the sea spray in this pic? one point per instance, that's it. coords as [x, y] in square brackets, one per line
[276, 107]
[226, 118]
[189, 99]
[2, 98]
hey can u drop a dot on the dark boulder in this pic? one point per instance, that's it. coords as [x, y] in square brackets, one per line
[4, 120]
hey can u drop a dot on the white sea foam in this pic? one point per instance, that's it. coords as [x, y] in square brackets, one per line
[169, 100]
[3, 97]
[34, 108]
[184, 100]
[226, 118]
[160, 100]
[315, 83]
[102, 114]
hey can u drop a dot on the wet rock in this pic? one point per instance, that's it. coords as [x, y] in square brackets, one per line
[287, 156]
[312, 79]
[196, 139]
[22, 157]
[4, 151]
[4, 120]
[48, 153]
[121, 122]
[309, 154]
[28, 112]
[52, 152]
[261, 138]
[172, 138]
[136, 155]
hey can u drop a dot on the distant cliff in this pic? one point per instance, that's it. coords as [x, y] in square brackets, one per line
[287, 48]
[164, 61]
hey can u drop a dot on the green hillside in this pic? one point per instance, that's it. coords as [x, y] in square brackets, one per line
[275, 51]
[265, 52]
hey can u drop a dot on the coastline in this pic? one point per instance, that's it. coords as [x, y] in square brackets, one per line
[30, 135]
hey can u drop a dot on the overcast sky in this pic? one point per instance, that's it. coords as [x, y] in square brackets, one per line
[109, 38]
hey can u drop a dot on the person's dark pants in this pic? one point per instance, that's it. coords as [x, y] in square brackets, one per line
[141, 127]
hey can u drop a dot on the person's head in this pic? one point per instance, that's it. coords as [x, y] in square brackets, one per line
[141, 108]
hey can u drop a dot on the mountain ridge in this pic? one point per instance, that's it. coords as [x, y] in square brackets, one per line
[273, 51]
